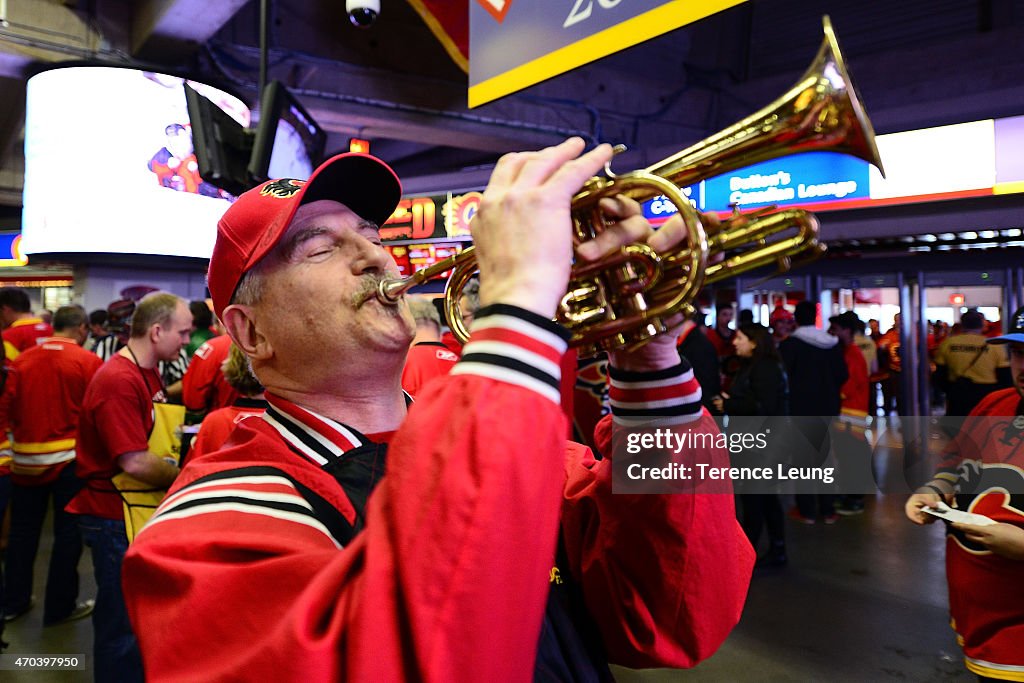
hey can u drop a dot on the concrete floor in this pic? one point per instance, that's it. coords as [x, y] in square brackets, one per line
[861, 600]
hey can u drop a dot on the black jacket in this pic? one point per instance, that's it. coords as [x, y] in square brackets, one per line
[759, 388]
[700, 352]
[816, 370]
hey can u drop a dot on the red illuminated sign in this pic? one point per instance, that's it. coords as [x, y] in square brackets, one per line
[413, 257]
[414, 218]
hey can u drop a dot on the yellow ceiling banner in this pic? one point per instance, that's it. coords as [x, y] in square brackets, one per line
[514, 44]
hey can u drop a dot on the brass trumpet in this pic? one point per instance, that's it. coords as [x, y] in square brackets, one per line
[623, 300]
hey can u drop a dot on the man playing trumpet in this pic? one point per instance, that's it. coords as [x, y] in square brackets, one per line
[490, 548]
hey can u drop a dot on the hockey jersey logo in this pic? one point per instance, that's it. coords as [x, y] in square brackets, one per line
[282, 189]
[999, 497]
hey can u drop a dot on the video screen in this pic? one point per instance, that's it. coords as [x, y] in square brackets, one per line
[289, 143]
[290, 156]
[110, 166]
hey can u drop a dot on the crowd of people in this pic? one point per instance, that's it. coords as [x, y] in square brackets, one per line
[225, 460]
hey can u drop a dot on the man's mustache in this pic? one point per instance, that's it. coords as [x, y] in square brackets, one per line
[368, 287]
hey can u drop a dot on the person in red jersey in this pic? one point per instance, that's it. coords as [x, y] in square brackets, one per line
[121, 409]
[45, 388]
[22, 330]
[428, 357]
[349, 535]
[218, 425]
[850, 433]
[204, 388]
[984, 474]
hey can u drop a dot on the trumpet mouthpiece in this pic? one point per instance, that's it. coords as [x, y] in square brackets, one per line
[390, 291]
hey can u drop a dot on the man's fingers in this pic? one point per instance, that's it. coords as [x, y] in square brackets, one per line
[670, 235]
[543, 165]
[620, 206]
[571, 174]
[629, 231]
[507, 170]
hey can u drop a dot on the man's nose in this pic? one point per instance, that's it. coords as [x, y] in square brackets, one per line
[372, 258]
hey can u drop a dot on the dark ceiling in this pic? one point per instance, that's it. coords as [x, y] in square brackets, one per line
[917, 62]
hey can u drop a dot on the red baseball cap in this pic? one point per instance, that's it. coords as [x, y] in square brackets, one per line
[255, 223]
[780, 314]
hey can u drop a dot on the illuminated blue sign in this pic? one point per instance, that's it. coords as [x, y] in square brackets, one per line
[812, 178]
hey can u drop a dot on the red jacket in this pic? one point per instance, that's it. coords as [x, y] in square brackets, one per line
[44, 395]
[203, 387]
[426, 361]
[449, 579]
[21, 335]
[854, 394]
[24, 334]
[218, 425]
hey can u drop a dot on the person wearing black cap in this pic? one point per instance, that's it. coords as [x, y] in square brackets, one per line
[983, 473]
[271, 556]
[968, 369]
[119, 321]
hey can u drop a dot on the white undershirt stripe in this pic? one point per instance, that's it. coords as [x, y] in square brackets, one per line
[654, 384]
[664, 403]
[294, 441]
[522, 327]
[501, 374]
[191, 495]
[509, 350]
[243, 509]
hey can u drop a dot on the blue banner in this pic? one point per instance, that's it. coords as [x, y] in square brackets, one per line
[811, 178]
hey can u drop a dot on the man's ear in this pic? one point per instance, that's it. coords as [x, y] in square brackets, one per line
[243, 328]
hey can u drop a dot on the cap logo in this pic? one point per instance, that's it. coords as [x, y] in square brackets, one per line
[1018, 321]
[282, 189]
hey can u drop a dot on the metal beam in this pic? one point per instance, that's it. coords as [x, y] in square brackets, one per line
[37, 31]
[356, 120]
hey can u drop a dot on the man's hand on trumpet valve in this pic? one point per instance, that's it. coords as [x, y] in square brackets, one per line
[630, 227]
[523, 231]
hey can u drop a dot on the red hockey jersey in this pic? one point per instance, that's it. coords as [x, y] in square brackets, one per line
[449, 578]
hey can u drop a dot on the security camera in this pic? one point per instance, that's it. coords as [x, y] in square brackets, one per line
[362, 13]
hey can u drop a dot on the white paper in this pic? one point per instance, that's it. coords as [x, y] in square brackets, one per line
[954, 515]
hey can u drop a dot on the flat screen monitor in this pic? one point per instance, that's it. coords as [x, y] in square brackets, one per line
[222, 145]
[110, 166]
[289, 143]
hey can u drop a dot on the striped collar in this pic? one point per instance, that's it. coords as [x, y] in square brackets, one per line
[312, 435]
[62, 340]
